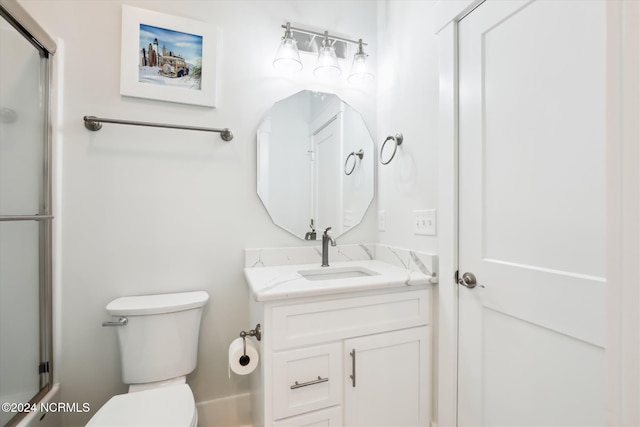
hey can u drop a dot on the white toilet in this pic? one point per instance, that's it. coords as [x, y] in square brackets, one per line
[158, 336]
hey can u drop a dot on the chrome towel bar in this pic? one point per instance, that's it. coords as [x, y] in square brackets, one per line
[25, 217]
[95, 123]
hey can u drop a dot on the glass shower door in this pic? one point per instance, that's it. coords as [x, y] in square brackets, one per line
[25, 220]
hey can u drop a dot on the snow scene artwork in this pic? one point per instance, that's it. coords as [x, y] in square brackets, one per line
[167, 58]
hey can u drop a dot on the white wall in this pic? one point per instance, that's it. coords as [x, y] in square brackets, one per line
[407, 104]
[148, 210]
[408, 88]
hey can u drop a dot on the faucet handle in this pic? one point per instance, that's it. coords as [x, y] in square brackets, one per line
[329, 237]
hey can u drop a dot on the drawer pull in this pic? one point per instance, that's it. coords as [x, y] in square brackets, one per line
[353, 367]
[312, 382]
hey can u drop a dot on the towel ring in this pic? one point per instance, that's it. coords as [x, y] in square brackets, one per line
[353, 154]
[397, 140]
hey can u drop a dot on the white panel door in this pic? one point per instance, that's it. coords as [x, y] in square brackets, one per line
[531, 203]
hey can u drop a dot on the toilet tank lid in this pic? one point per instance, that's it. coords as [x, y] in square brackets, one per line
[157, 304]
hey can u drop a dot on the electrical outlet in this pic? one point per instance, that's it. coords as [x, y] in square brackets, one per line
[347, 218]
[424, 222]
[382, 221]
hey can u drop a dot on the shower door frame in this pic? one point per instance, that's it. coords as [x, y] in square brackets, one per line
[22, 22]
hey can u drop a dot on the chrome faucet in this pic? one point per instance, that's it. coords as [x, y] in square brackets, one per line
[326, 238]
[311, 235]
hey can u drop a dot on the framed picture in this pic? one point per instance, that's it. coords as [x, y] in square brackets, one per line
[167, 58]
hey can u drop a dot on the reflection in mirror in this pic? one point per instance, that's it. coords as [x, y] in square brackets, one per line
[315, 165]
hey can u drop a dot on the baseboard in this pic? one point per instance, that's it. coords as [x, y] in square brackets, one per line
[230, 411]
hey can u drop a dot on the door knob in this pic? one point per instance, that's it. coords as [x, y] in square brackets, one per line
[468, 280]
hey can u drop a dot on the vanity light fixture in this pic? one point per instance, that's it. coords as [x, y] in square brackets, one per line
[288, 57]
[328, 48]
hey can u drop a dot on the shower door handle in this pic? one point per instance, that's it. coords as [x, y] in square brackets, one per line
[122, 321]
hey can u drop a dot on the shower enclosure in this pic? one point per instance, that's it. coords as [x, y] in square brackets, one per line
[25, 211]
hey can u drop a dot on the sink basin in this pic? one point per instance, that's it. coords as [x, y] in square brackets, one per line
[334, 273]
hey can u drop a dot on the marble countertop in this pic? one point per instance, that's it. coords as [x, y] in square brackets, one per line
[285, 281]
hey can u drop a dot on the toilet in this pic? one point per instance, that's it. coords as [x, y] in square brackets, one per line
[158, 337]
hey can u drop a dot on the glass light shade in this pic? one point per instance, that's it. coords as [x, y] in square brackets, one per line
[360, 72]
[288, 57]
[327, 66]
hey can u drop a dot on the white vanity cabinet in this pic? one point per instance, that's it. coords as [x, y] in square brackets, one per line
[357, 359]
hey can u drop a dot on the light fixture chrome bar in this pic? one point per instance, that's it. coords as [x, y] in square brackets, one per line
[25, 217]
[316, 33]
[95, 123]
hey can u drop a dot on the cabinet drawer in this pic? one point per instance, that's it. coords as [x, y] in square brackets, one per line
[330, 417]
[314, 322]
[306, 379]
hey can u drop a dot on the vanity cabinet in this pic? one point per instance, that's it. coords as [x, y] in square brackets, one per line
[360, 359]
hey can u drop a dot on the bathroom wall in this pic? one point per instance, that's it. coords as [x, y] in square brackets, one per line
[148, 210]
[407, 104]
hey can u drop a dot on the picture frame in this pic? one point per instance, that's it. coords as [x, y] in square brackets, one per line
[167, 58]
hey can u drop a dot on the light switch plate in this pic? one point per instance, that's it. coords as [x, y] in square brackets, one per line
[424, 222]
[382, 221]
[347, 218]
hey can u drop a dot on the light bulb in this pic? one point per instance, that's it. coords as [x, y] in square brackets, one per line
[360, 72]
[327, 66]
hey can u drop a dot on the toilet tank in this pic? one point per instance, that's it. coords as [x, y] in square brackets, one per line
[160, 339]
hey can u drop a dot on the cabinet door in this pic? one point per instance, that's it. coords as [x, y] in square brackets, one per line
[387, 379]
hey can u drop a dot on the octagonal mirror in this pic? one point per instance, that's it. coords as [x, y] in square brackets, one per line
[315, 165]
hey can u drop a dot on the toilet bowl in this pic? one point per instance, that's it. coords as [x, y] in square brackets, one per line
[158, 339]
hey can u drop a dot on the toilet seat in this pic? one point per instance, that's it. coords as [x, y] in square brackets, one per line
[165, 406]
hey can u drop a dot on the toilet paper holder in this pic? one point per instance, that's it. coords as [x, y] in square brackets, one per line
[252, 333]
[244, 359]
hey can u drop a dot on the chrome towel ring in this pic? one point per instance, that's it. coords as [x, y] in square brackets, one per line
[397, 140]
[353, 154]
